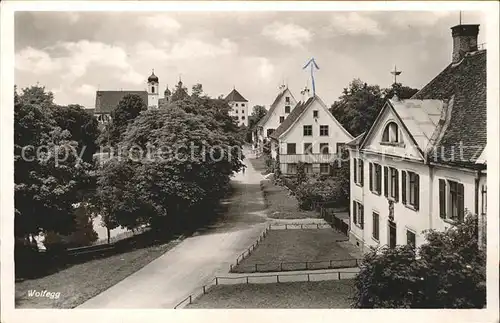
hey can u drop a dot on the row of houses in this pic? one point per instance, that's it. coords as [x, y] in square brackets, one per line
[421, 165]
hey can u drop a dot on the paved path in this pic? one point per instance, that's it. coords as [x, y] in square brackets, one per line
[194, 262]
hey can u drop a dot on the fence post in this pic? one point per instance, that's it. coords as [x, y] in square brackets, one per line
[204, 291]
[216, 281]
[190, 300]
[247, 279]
[307, 267]
[330, 265]
[255, 267]
[281, 266]
[308, 278]
[339, 275]
[286, 226]
[302, 226]
[317, 225]
[277, 278]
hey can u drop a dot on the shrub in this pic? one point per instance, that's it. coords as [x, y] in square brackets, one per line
[317, 190]
[449, 272]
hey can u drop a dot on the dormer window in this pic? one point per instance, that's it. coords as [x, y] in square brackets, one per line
[391, 134]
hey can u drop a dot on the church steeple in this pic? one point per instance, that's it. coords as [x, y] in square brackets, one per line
[153, 90]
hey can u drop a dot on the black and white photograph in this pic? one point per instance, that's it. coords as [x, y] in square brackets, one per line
[248, 155]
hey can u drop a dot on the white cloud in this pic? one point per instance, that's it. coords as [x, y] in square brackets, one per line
[354, 23]
[418, 19]
[160, 23]
[146, 51]
[35, 61]
[131, 76]
[287, 34]
[266, 69]
[193, 48]
[86, 89]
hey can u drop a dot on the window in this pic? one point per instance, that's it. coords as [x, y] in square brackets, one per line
[324, 148]
[411, 189]
[282, 119]
[308, 130]
[308, 168]
[243, 104]
[308, 148]
[290, 149]
[324, 168]
[152, 89]
[243, 111]
[242, 117]
[323, 130]
[411, 238]
[483, 199]
[375, 178]
[391, 183]
[375, 227]
[287, 99]
[315, 113]
[451, 200]
[357, 214]
[269, 132]
[358, 171]
[391, 133]
[236, 104]
[287, 109]
[292, 168]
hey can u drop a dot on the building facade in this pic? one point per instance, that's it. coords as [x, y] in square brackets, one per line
[239, 107]
[419, 166]
[279, 110]
[309, 134]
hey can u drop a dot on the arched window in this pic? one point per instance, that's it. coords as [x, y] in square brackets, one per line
[391, 133]
[152, 89]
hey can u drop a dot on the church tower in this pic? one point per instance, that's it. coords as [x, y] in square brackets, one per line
[153, 91]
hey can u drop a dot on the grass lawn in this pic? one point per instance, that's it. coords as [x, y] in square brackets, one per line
[281, 205]
[297, 246]
[320, 294]
[81, 282]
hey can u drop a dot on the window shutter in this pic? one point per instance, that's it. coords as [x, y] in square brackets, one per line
[461, 202]
[417, 192]
[355, 169]
[371, 177]
[442, 198]
[362, 171]
[397, 185]
[386, 171]
[403, 188]
[361, 217]
[354, 212]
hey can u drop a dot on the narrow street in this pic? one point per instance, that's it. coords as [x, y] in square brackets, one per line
[193, 263]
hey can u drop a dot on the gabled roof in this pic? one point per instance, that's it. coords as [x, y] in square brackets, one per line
[235, 96]
[357, 141]
[106, 101]
[273, 106]
[291, 118]
[466, 83]
[446, 119]
[297, 112]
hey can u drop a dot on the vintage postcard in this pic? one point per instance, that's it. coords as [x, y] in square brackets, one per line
[327, 156]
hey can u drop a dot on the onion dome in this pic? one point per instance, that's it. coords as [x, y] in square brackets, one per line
[153, 77]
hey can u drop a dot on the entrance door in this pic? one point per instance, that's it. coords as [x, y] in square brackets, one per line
[392, 234]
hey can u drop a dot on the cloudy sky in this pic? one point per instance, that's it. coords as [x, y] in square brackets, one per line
[75, 53]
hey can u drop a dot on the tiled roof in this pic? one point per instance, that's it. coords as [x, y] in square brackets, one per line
[465, 130]
[235, 96]
[106, 101]
[420, 117]
[290, 119]
[357, 141]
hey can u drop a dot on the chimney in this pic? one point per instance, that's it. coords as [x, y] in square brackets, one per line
[306, 94]
[464, 41]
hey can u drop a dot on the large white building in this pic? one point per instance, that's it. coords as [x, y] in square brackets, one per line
[279, 110]
[239, 107]
[309, 134]
[422, 164]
